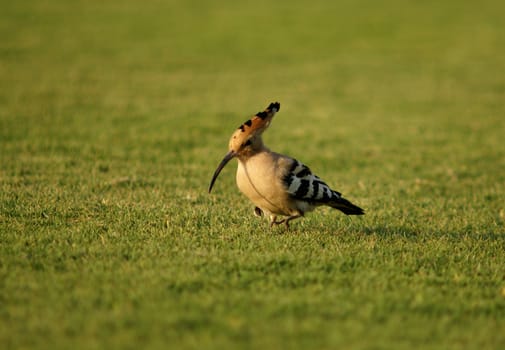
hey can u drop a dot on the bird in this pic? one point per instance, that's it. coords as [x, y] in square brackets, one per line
[278, 185]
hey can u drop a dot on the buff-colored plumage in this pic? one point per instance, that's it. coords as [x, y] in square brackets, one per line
[278, 185]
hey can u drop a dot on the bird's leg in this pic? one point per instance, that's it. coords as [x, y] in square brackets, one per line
[273, 220]
[286, 221]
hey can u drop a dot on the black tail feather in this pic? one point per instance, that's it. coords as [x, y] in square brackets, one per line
[346, 207]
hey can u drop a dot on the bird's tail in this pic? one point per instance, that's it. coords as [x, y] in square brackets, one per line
[345, 206]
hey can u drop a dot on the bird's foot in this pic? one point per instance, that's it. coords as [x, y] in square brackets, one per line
[273, 221]
[286, 221]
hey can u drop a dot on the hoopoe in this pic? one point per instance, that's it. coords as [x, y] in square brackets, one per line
[275, 183]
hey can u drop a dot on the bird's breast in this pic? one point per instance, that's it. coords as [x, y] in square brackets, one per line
[260, 178]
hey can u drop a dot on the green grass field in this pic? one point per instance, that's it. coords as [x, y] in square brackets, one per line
[114, 115]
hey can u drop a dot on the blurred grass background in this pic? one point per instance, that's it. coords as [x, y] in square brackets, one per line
[113, 116]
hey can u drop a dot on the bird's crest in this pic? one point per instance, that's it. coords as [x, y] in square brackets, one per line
[258, 123]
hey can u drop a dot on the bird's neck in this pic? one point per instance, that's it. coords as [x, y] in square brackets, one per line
[256, 148]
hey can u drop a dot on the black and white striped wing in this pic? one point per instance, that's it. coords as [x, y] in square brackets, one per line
[301, 184]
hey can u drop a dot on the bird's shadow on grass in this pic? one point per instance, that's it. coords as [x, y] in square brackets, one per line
[410, 232]
[353, 227]
[378, 230]
[390, 231]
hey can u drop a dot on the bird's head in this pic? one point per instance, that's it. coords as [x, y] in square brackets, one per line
[246, 140]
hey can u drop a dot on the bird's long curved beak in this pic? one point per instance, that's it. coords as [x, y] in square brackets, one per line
[220, 167]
